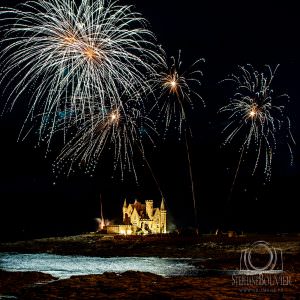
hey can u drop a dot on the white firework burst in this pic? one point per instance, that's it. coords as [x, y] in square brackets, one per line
[178, 90]
[64, 54]
[256, 116]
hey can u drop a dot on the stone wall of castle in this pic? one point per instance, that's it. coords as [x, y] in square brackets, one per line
[141, 218]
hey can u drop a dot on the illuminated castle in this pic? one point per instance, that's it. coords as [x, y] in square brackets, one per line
[141, 218]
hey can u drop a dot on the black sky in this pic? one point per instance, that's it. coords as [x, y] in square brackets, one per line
[225, 33]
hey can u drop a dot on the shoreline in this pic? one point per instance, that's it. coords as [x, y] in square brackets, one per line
[219, 252]
[224, 254]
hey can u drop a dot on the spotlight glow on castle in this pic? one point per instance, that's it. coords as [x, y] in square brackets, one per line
[141, 218]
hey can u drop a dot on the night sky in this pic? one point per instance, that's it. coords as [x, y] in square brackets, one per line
[226, 34]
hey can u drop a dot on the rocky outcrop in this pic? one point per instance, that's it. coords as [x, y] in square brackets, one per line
[137, 285]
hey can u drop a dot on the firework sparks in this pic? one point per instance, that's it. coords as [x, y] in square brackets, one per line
[122, 130]
[177, 90]
[64, 52]
[256, 116]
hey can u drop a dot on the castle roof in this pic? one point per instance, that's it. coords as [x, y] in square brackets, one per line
[141, 209]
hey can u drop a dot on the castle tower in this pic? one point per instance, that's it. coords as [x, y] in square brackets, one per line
[163, 217]
[149, 208]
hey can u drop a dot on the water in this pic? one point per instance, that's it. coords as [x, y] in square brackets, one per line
[66, 266]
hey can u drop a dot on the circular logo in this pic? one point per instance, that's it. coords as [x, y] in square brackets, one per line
[259, 248]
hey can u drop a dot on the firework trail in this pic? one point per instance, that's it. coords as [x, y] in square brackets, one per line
[64, 54]
[121, 131]
[177, 90]
[256, 117]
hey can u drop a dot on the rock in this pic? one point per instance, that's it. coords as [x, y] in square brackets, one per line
[12, 283]
[137, 285]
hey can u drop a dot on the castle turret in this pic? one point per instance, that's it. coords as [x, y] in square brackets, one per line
[162, 204]
[163, 217]
[149, 208]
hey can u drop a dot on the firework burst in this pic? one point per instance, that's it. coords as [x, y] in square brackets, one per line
[121, 132]
[64, 53]
[177, 91]
[256, 117]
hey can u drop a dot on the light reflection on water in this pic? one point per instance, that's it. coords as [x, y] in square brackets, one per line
[66, 266]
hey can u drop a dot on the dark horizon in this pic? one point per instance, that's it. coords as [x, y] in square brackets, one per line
[225, 35]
